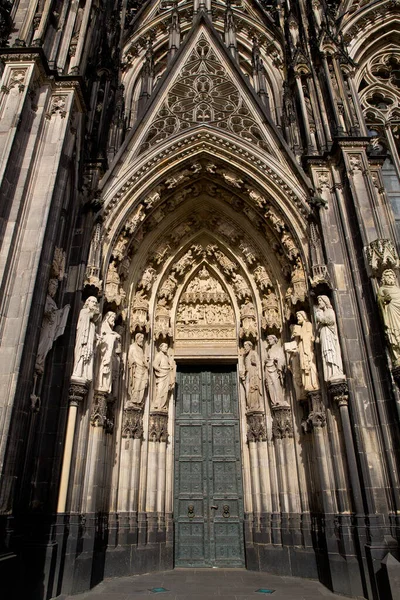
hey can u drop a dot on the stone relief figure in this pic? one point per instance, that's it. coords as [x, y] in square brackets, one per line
[53, 325]
[147, 279]
[164, 371]
[240, 286]
[389, 301]
[328, 337]
[250, 377]
[106, 347]
[274, 370]
[302, 334]
[85, 340]
[138, 368]
[270, 306]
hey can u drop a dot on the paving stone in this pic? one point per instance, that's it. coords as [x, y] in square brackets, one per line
[198, 584]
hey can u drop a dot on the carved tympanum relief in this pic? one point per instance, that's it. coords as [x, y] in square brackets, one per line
[204, 311]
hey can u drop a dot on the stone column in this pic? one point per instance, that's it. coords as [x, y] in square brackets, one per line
[130, 461]
[77, 393]
[158, 434]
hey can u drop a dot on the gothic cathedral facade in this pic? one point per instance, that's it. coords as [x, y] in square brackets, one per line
[200, 306]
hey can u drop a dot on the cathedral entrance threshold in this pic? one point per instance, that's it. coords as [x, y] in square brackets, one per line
[202, 584]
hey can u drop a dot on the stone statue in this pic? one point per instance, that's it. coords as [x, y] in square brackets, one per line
[53, 325]
[302, 333]
[251, 378]
[328, 337]
[389, 301]
[274, 369]
[164, 371]
[85, 340]
[138, 372]
[106, 347]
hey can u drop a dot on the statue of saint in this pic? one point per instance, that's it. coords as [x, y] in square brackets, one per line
[138, 372]
[164, 371]
[251, 378]
[302, 333]
[53, 325]
[389, 301]
[106, 349]
[85, 340]
[328, 337]
[274, 369]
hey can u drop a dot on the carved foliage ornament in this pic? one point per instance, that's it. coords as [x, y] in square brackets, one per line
[204, 93]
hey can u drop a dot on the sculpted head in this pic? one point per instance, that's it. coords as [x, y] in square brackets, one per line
[139, 339]
[163, 347]
[92, 304]
[247, 346]
[272, 340]
[110, 318]
[324, 302]
[301, 317]
[52, 287]
[388, 277]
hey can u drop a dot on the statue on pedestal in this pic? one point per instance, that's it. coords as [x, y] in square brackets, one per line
[106, 349]
[328, 336]
[138, 372]
[85, 340]
[251, 379]
[164, 371]
[274, 369]
[303, 335]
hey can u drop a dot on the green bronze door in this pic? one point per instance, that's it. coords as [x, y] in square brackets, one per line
[208, 511]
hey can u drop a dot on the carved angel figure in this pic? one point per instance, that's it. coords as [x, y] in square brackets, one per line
[85, 340]
[328, 336]
[53, 325]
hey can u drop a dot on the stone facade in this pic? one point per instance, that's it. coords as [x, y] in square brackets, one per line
[199, 183]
